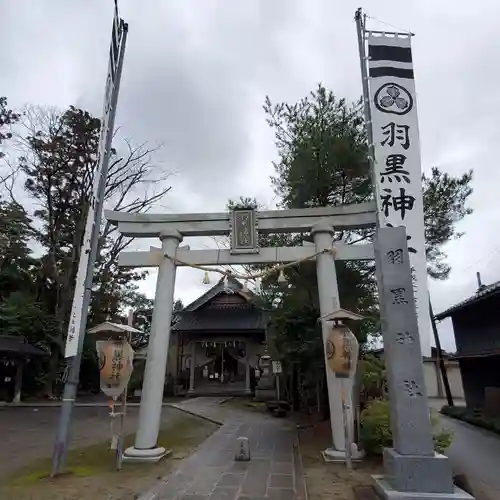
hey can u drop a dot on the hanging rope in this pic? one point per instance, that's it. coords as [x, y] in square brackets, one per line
[273, 269]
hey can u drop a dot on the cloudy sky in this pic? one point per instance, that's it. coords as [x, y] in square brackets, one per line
[195, 77]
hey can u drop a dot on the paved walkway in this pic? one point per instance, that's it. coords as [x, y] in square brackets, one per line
[274, 471]
[476, 453]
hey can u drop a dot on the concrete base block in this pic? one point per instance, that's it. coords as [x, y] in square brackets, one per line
[425, 473]
[150, 455]
[387, 492]
[262, 395]
[333, 455]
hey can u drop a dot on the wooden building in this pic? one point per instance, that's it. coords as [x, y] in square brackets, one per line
[218, 339]
[15, 352]
[476, 326]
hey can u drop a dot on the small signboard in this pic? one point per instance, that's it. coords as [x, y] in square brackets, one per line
[244, 236]
[277, 367]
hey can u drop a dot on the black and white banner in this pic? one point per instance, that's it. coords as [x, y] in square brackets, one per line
[74, 329]
[398, 172]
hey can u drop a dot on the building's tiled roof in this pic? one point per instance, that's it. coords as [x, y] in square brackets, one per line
[197, 317]
[18, 345]
[108, 326]
[481, 294]
[220, 320]
[233, 285]
[433, 356]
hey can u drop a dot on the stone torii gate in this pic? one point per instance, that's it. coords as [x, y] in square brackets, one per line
[243, 226]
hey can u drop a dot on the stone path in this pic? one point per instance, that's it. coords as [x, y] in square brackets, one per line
[274, 471]
[475, 452]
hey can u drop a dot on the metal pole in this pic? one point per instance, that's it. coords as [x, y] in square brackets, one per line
[223, 379]
[444, 373]
[70, 388]
[366, 99]
[123, 412]
[114, 435]
[347, 433]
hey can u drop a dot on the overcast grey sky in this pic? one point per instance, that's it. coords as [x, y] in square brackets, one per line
[195, 77]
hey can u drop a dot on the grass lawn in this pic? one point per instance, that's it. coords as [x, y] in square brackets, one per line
[91, 470]
[331, 481]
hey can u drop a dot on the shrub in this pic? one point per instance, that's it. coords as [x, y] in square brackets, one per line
[375, 432]
[372, 378]
[442, 438]
[474, 417]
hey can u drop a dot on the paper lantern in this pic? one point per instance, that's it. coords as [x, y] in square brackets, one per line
[115, 365]
[342, 350]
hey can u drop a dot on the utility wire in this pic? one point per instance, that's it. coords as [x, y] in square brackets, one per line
[387, 24]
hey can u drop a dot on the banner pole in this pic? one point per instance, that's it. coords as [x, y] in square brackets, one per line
[90, 253]
[360, 27]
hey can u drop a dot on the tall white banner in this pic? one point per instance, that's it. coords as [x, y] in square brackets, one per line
[398, 172]
[74, 328]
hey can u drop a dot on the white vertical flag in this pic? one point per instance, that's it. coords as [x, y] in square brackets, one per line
[75, 328]
[398, 171]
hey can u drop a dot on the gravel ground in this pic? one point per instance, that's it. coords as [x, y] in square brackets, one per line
[28, 433]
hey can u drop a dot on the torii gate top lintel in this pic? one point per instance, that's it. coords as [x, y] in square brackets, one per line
[145, 225]
[243, 226]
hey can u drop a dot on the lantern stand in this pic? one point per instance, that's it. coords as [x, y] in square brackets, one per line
[342, 350]
[123, 412]
[109, 335]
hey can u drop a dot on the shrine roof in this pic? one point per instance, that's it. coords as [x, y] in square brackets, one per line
[215, 312]
[233, 287]
[220, 320]
[18, 345]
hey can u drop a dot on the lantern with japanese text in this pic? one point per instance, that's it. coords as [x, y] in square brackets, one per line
[341, 346]
[115, 365]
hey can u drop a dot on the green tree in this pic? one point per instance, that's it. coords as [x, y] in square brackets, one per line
[22, 310]
[58, 165]
[322, 148]
[16, 261]
[7, 118]
[178, 305]
[445, 204]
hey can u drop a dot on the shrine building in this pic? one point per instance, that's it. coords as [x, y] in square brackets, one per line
[216, 342]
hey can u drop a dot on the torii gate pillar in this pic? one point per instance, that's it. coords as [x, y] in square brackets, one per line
[328, 302]
[146, 447]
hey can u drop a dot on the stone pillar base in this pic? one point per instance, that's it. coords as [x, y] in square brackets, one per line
[262, 395]
[387, 492]
[333, 455]
[150, 455]
[424, 473]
